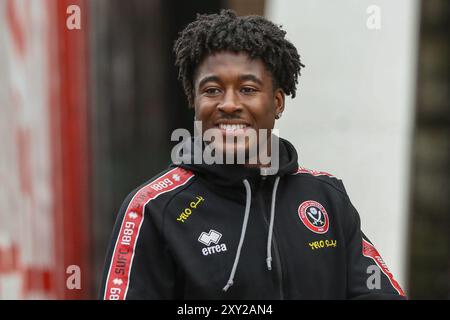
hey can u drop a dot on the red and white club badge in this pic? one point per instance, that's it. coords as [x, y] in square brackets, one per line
[314, 216]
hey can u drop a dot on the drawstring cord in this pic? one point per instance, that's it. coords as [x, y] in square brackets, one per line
[272, 218]
[243, 230]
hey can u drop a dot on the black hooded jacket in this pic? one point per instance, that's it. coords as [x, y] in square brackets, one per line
[226, 232]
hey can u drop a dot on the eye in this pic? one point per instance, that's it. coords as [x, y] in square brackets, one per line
[212, 91]
[248, 90]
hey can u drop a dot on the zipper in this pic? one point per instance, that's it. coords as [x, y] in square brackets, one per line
[277, 259]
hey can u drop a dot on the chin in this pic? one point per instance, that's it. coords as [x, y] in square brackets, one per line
[241, 149]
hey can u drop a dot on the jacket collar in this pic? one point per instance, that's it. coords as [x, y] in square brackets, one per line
[232, 175]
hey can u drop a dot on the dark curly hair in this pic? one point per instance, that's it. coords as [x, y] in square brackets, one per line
[255, 35]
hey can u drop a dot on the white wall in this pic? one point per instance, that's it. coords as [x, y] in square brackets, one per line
[354, 109]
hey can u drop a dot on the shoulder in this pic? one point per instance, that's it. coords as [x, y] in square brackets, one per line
[321, 178]
[157, 190]
[328, 186]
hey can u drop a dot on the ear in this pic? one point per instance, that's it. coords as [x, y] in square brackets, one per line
[279, 98]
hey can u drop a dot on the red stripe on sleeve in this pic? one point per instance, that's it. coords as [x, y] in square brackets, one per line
[118, 279]
[370, 251]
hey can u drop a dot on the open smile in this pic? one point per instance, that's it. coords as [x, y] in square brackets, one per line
[230, 127]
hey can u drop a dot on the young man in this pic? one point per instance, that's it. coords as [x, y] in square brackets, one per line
[237, 231]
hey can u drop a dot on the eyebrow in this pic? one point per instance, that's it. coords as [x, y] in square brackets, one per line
[250, 77]
[208, 79]
[244, 77]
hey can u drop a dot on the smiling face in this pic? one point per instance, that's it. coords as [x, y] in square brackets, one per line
[234, 93]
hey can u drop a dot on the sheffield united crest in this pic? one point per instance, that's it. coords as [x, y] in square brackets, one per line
[314, 216]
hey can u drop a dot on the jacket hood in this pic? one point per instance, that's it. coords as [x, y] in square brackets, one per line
[233, 174]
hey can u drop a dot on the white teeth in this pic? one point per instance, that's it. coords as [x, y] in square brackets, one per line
[231, 127]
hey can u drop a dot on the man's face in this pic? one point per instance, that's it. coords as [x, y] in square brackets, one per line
[234, 94]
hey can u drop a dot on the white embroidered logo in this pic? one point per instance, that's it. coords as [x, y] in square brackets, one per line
[132, 215]
[212, 237]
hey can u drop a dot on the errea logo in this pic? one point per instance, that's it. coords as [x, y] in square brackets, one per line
[212, 237]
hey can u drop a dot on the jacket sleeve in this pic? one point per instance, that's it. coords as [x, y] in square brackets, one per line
[367, 275]
[138, 264]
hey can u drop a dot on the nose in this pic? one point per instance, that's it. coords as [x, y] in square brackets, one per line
[230, 103]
